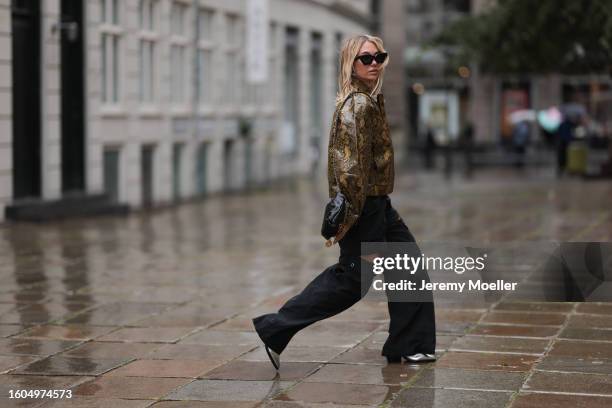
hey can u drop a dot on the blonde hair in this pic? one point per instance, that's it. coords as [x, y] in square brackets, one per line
[350, 49]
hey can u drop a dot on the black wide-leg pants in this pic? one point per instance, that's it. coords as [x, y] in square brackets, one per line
[412, 326]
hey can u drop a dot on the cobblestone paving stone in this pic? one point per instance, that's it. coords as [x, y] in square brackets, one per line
[154, 309]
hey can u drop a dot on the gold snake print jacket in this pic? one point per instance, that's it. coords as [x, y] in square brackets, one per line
[360, 154]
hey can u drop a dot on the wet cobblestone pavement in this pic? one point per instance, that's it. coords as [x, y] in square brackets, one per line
[154, 309]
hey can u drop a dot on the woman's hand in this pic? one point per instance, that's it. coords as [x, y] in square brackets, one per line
[342, 230]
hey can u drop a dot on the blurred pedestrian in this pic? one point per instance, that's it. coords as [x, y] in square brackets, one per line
[429, 149]
[449, 147]
[565, 134]
[360, 166]
[520, 139]
[467, 145]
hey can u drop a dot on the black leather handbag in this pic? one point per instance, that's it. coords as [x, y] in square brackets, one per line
[333, 215]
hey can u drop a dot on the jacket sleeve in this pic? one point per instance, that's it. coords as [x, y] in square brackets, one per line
[352, 156]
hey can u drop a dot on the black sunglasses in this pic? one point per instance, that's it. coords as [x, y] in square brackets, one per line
[366, 59]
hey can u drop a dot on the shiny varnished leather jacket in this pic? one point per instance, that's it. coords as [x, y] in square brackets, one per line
[360, 156]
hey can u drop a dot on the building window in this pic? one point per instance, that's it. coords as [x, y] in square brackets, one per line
[111, 173]
[291, 88]
[249, 153]
[206, 19]
[204, 62]
[316, 93]
[178, 72]
[178, 18]
[269, 153]
[147, 46]
[109, 11]
[201, 164]
[248, 89]
[229, 166]
[232, 30]
[147, 15]
[178, 53]
[272, 64]
[233, 78]
[205, 76]
[147, 174]
[110, 32]
[177, 156]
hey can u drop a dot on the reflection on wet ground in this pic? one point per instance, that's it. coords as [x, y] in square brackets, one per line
[154, 309]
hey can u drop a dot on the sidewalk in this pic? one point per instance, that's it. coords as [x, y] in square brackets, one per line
[154, 309]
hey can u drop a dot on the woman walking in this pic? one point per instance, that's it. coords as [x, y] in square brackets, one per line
[360, 166]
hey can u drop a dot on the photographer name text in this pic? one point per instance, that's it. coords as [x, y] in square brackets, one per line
[475, 285]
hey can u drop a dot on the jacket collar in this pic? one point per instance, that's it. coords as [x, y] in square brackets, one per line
[361, 86]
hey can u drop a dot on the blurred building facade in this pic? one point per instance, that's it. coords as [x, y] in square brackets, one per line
[446, 97]
[436, 96]
[148, 101]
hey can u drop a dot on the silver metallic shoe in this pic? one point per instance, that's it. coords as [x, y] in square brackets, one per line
[273, 356]
[420, 357]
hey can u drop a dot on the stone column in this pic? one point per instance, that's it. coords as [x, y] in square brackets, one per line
[51, 102]
[304, 84]
[394, 88]
[329, 60]
[6, 123]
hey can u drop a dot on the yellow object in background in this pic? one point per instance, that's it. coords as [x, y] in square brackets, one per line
[577, 157]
